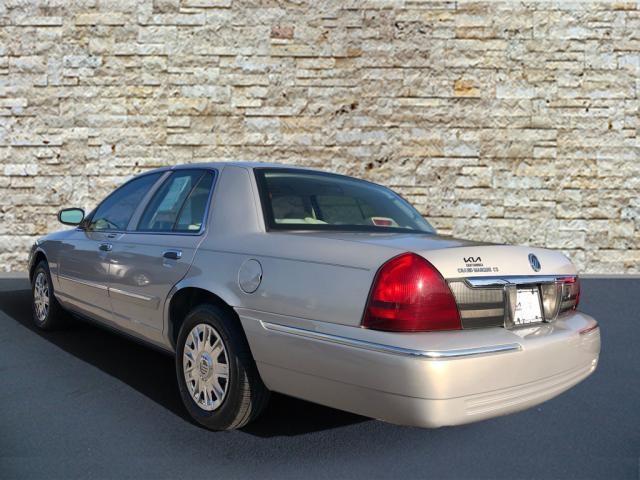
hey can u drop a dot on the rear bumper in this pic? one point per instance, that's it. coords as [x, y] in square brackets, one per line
[426, 379]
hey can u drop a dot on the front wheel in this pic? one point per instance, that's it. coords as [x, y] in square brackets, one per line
[217, 377]
[47, 312]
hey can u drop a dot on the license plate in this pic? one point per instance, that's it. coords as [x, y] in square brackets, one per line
[527, 306]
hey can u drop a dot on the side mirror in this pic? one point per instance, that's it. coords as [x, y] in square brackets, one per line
[71, 216]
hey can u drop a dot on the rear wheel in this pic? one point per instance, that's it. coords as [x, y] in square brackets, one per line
[217, 377]
[47, 312]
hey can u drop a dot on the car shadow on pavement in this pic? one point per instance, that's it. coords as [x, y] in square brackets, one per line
[151, 372]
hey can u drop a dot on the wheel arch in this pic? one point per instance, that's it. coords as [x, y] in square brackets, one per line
[38, 256]
[182, 300]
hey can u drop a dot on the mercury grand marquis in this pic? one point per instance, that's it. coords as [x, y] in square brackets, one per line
[261, 278]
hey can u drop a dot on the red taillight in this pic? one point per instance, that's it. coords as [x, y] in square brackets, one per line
[410, 295]
[572, 291]
[569, 295]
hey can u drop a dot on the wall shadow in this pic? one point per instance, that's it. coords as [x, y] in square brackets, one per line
[152, 373]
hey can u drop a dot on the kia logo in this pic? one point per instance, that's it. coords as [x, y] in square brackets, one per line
[472, 260]
[534, 262]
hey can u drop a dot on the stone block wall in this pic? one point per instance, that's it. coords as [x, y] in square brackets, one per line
[502, 121]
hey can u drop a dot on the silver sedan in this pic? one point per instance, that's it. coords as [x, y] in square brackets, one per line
[260, 278]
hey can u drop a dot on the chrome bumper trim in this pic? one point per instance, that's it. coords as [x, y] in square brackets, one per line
[513, 280]
[391, 349]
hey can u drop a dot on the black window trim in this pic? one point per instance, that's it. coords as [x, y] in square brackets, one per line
[271, 225]
[137, 214]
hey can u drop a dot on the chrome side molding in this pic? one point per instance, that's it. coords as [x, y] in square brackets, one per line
[392, 349]
[83, 282]
[109, 289]
[131, 294]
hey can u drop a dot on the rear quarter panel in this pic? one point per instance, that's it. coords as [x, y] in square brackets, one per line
[303, 276]
[294, 282]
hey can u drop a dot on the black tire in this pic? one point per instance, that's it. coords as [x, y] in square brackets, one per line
[55, 316]
[245, 394]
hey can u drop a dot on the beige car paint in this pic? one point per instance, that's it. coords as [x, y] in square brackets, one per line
[303, 320]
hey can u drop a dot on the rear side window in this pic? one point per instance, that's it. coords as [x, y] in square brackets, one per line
[117, 209]
[180, 203]
[305, 200]
[192, 213]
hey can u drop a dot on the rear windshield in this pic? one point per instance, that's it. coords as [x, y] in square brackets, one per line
[304, 200]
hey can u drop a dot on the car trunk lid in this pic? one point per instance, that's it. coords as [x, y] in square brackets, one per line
[456, 258]
[484, 278]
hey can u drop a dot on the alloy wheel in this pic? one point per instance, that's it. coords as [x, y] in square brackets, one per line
[205, 365]
[41, 296]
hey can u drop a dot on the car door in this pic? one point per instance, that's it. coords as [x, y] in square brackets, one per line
[157, 250]
[84, 257]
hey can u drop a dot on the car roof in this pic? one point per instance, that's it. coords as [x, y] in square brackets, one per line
[221, 165]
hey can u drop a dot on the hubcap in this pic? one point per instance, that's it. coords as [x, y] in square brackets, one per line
[206, 366]
[41, 296]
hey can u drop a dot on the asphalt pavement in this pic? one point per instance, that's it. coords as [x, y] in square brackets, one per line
[87, 403]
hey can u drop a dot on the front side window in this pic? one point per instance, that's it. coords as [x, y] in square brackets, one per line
[179, 204]
[304, 200]
[117, 209]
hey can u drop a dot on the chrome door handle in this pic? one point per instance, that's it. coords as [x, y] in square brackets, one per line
[172, 254]
[105, 247]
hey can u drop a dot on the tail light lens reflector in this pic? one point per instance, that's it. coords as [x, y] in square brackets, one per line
[410, 295]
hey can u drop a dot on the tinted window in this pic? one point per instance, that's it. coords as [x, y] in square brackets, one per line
[180, 204]
[192, 214]
[117, 209]
[294, 199]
